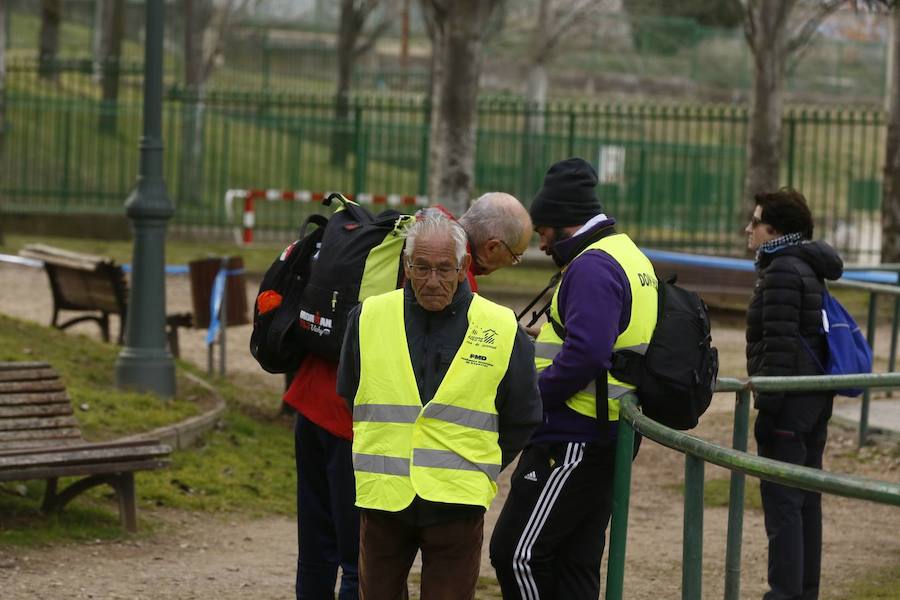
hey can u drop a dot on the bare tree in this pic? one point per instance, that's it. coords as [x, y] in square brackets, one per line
[206, 23]
[776, 31]
[48, 43]
[890, 203]
[109, 55]
[2, 73]
[352, 44]
[457, 29]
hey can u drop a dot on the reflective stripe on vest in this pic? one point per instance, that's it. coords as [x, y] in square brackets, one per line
[635, 337]
[446, 451]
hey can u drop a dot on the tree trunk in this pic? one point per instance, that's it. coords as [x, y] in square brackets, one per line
[110, 54]
[458, 45]
[2, 78]
[197, 17]
[890, 203]
[342, 136]
[766, 103]
[48, 45]
[97, 38]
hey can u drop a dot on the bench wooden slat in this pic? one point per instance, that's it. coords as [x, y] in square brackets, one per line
[86, 290]
[49, 385]
[58, 442]
[38, 437]
[15, 366]
[28, 374]
[35, 410]
[44, 472]
[135, 444]
[37, 398]
[38, 423]
[80, 455]
[60, 256]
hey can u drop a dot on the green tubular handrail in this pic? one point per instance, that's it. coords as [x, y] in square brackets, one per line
[697, 452]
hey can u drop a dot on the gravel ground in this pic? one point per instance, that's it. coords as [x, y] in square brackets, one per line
[210, 556]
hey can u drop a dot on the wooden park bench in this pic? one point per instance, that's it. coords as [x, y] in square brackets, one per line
[92, 284]
[40, 439]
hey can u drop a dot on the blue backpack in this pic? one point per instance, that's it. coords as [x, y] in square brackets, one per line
[848, 351]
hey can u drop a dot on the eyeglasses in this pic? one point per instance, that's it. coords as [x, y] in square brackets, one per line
[443, 273]
[517, 258]
[755, 221]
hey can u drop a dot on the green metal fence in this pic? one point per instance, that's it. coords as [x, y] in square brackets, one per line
[698, 452]
[671, 174]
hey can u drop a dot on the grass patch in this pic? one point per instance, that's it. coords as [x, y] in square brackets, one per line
[86, 519]
[245, 465]
[716, 493]
[880, 584]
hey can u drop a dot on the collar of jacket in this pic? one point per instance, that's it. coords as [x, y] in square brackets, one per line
[566, 250]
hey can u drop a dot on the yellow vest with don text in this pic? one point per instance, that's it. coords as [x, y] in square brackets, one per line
[447, 450]
[644, 305]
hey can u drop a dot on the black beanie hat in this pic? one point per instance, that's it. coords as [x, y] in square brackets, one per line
[568, 196]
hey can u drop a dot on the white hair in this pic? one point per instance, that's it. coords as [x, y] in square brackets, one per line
[495, 215]
[432, 222]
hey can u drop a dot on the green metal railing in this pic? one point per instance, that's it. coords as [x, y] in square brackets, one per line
[698, 452]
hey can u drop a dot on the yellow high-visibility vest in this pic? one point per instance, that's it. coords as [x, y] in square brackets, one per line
[644, 305]
[447, 450]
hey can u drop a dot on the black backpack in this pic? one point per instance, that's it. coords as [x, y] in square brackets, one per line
[320, 278]
[676, 377]
[273, 342]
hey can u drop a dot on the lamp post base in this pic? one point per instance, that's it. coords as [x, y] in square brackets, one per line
[146, 370]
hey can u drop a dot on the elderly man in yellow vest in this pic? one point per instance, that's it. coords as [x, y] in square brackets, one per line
[443, 390]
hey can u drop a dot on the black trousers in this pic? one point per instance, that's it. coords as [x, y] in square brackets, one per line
[327, 517]
[793, 517]
[549, 537]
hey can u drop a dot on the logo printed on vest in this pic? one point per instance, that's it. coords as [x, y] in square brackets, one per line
[315, 322]
[478, 360]
[647, 279]
[486, 338]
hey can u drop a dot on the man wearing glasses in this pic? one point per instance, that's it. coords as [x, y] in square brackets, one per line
[442, 386]
[499, 229]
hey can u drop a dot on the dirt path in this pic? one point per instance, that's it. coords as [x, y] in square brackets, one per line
[211, 556]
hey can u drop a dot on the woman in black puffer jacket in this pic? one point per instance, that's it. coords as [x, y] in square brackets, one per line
[785, 337]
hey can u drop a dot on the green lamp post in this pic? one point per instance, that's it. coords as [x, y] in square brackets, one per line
[145, 364]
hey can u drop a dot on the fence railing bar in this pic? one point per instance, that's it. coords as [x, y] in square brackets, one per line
[805, 478]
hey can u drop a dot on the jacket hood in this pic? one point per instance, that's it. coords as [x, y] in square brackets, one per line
[821, 257]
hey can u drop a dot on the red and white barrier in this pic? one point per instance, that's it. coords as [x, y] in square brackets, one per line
[248, 220]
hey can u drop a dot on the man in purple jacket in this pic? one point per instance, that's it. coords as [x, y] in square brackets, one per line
[549, 537]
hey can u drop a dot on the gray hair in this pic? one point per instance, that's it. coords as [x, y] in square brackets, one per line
[432, 222]
[495, 215]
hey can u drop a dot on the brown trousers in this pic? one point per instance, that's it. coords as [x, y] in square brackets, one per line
[451, 557]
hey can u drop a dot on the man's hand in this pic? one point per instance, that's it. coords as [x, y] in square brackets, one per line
[533, 331]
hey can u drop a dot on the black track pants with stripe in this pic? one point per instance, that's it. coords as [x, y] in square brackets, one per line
[549, 537]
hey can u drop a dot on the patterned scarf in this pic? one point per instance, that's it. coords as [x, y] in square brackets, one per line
[789, 239]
